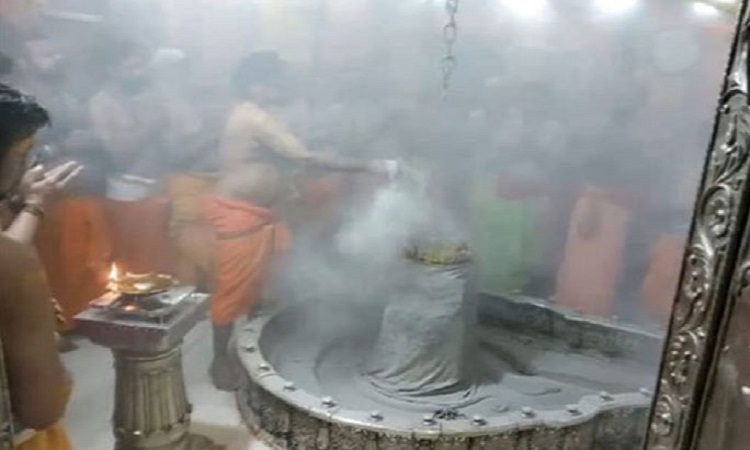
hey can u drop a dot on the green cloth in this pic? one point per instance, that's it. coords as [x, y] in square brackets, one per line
[504, 239]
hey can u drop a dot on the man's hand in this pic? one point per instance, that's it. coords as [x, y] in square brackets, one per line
[37, 184]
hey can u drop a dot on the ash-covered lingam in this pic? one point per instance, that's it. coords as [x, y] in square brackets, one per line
[390, 348]
[143, 319]
[412, 359]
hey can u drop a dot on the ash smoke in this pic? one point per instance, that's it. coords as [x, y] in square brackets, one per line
[366, 253]
[379, 234]
[540, 103]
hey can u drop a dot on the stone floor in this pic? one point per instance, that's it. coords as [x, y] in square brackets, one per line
[88, 417]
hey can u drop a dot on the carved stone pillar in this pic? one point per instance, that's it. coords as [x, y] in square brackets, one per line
[151, 407]
[152, 411]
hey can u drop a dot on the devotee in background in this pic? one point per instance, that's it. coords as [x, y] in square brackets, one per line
[23, 202]
[597, 260]
[73, 241]
[257, 152]
[192, 141]
[38, 382]
[46, 73]
[130, 120]
[506, 206]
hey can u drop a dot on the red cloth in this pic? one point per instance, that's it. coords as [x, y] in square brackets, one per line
[247, 239]
[660, 283]
[75, 246]
[591, 268]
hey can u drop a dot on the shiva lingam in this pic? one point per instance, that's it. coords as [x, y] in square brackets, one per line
[427, 363]
[143, 318]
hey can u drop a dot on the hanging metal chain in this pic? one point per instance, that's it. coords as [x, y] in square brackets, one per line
[450, 34]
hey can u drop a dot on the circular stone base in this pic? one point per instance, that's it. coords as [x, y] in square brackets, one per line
[304, 393]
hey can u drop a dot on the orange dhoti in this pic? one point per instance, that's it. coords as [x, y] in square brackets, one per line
[591, 269]
[53, 438]
[140, 234]
[660, 284]
[192, 236]
[248, 237]
[75, 247]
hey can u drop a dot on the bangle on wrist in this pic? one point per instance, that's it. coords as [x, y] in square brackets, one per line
[33, 209]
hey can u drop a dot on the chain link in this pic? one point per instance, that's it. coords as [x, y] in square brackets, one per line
[450, 35]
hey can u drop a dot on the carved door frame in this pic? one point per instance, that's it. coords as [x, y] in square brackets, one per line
[712, 271]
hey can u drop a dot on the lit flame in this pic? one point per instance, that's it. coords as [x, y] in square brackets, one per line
[114, 277]
[114, 274]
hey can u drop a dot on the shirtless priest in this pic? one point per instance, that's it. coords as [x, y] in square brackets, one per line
[257, 152]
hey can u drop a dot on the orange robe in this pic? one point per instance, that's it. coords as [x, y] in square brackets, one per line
[248, 238]
[140, 234]
[193, 237]
[660, 283]
[53, 438]
[591, 269]
[75, 247]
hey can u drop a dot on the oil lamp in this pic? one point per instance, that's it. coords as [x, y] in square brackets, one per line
[143, 318]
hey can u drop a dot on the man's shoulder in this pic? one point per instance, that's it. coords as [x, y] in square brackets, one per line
[243, 116]
[249, 115]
